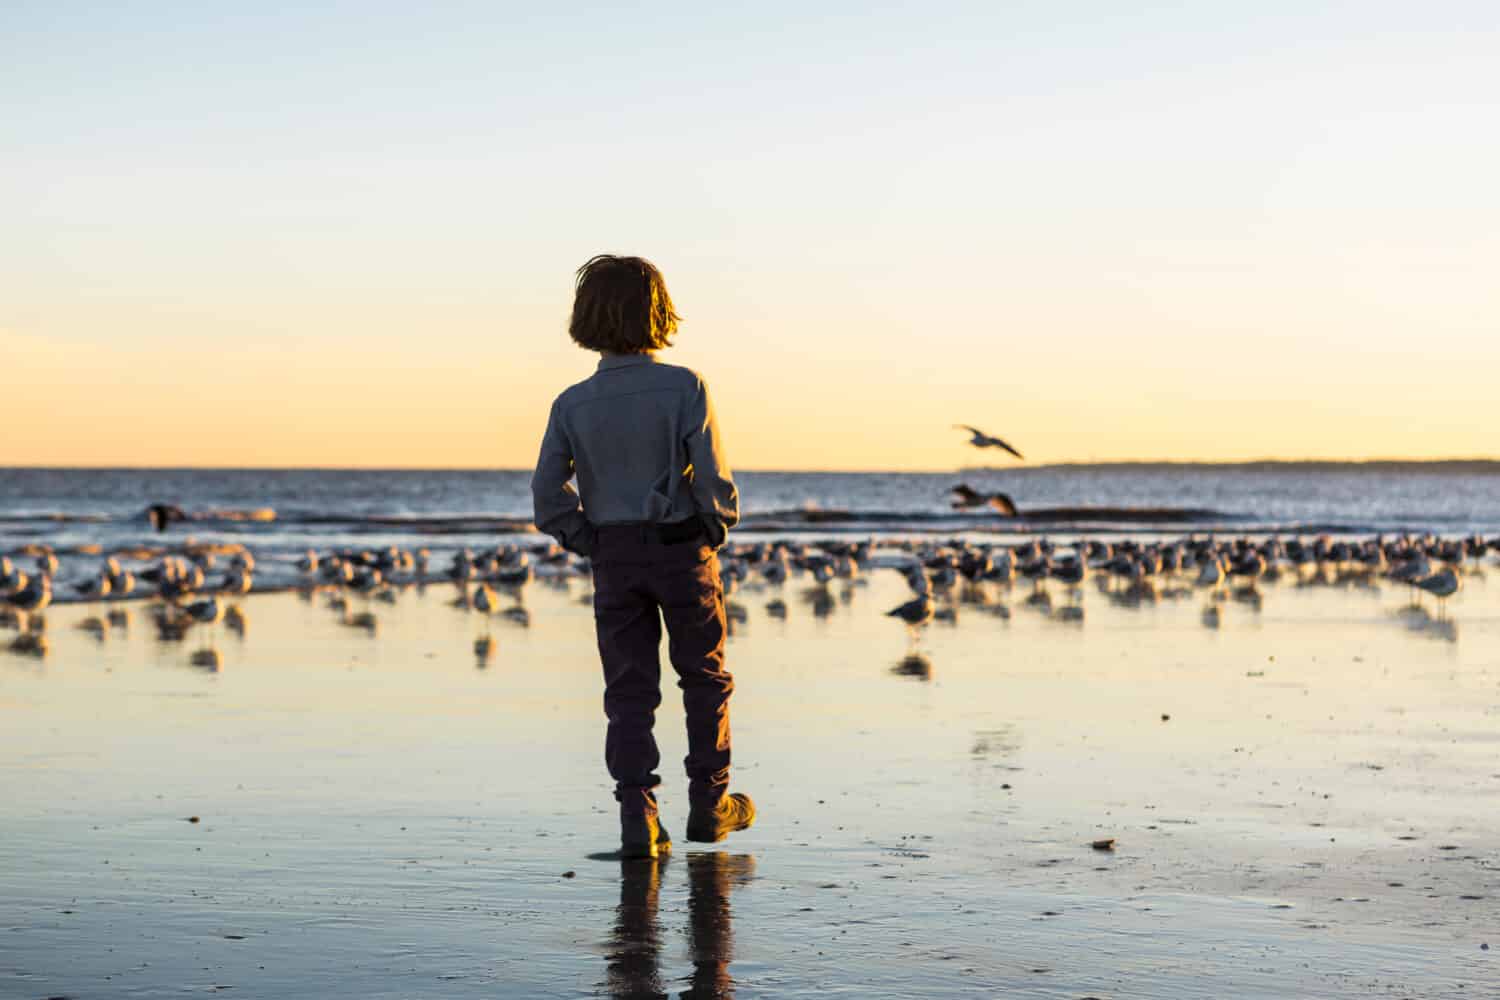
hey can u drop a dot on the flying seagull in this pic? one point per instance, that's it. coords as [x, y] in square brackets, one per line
[966, 497]
[983, 440]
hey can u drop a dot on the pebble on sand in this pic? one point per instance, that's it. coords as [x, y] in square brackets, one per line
[1106, 844]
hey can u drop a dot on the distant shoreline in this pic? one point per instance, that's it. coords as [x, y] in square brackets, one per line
[1460, 465]
[1268, 465]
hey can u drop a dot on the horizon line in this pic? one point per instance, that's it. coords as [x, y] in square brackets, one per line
[1105, 463]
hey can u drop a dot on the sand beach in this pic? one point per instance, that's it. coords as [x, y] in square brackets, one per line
[1302, 801]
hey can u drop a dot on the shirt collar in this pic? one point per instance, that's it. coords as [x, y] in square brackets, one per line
[625, 360]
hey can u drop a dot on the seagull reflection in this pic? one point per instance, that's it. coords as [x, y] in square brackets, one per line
[915, 666]
[819, 600]
[1068, 614]
[1422, 622]
[634, 951]
[1443, 628]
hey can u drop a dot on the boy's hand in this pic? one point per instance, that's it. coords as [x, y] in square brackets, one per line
[714, 529]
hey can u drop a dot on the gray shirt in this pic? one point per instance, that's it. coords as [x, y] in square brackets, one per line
[641, 438]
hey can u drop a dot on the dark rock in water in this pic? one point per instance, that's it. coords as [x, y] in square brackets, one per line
[1106, 844]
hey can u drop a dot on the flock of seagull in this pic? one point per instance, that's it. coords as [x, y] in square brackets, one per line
[196, 588]
[1133, 572]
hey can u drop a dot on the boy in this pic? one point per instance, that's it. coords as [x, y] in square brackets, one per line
[654, 504]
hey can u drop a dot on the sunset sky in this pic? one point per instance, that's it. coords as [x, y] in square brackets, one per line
[344, 233]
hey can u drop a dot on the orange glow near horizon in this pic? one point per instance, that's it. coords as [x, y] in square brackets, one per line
[349, 241]
[474, 402]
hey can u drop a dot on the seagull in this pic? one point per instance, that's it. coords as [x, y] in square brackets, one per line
[1072, 572]
[95, 588]
[1211, 573]
[237, 581]
[982, 440]
[209, 611]
[33, 597]
[915, 613]
[121, 581]
[12, 580]
[1443, 584]
[485, 601]
[965, 497]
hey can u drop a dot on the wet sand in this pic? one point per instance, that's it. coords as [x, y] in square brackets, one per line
[1305, 801]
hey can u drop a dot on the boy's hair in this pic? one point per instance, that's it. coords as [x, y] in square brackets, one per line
[621, 305]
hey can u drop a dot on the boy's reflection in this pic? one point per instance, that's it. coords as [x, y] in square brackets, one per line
[635, 952]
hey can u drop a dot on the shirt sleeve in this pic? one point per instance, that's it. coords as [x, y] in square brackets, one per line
[556, 507]
[714, 492]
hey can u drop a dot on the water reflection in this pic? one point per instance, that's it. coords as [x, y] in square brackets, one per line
[819, 600]
[1419, 620]
[634, 968]
[634, 956]
[1069, 614]
[914, 665]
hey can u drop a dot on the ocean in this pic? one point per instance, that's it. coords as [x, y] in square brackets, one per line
[288, 510]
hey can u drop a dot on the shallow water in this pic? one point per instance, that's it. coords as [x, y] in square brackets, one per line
[381, 817]
[449, 509]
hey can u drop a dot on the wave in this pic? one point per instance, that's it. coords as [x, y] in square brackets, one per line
[1040, 515]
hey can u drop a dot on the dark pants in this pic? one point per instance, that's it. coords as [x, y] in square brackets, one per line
[639, 583]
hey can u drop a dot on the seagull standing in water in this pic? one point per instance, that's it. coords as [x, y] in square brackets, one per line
[915, 613]
[32, 597]
[1443, 584]
[918, 611]
[207, 612]
[982, 440]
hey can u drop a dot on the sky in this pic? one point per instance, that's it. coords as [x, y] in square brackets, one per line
[344, 234]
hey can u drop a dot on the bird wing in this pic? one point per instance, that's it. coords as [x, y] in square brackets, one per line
[902, 609]
[1002, 444]
[983, 440]
[1003, 504]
